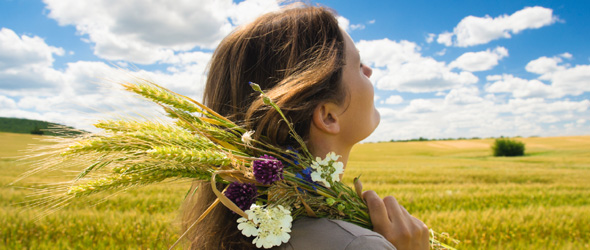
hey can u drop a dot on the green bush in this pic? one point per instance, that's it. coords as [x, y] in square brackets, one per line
[507, 147]
[37, 131]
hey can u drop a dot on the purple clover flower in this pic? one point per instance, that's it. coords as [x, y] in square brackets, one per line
[268, 170]
[242, 194]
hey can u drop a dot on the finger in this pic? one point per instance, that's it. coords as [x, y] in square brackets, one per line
[421, 224]
[403, 209]
[377, 210]
[415, 221]
[394, 209]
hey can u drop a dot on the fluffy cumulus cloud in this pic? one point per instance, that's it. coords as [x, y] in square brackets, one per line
[146, 32]
[143, 32]
[521, 88]
[21, 51]
[479, 61]
[26, 61]
[430, 37]
[446, 100]
[422, 106]
[505, 105]
[394, 99]
[573, 81]
[545, 65]
[474, 30]
[467, 112]
[89, 91]
[400, 66]
[445, 38]
[345, 24]
[564, 78]
[31, 88]
[556, 79]
[6, 103]
[464, 95]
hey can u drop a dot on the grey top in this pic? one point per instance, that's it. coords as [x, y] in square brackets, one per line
[326, 234]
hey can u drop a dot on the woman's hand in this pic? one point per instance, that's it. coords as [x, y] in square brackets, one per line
[393, 221]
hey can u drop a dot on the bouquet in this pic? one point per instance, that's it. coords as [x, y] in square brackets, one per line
[266, 185]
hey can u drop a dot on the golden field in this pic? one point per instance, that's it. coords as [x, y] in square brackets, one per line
[538, 201]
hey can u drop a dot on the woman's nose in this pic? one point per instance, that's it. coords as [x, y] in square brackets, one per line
[367, 70]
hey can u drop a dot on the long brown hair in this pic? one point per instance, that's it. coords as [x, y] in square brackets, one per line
[296, 55]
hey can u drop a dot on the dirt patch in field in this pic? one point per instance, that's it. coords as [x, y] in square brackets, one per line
[457, 144]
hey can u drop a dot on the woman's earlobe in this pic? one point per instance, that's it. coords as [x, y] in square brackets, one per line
[325, 118]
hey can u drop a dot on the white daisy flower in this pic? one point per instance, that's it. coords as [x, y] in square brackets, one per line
[327, 170]
[338, 170]
[271, 226]
[332, 156]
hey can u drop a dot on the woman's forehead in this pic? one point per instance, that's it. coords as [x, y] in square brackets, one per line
[352, 53]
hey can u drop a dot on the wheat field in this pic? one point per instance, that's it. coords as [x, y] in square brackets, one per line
[538, 201]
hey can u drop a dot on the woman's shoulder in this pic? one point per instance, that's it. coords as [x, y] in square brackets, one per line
[322, 233]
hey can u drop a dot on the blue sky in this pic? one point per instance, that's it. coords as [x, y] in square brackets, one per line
[441, 68]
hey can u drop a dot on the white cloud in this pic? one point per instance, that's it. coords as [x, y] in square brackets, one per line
[566, 55]
[247, 11]
[441, 53]
[573, 81]
[394, 99]
[474, 30]
[544, 65]
[479, 61]
[145, 32]
[344, 23]
[423, 106]
[494, 78]
[482, 117]
[445, 38]
[90, 91]
[79, 94]
[548, 119]
[6, 103]
[359, 26]
[430, 37]
[521, 88]
[464, 95]
[24, 51]
[564, 78]
[26, 62]
[85, 91]
[400, 66]
[540, 105]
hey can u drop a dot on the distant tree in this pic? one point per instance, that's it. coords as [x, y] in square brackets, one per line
[37, 131]
[507, 147]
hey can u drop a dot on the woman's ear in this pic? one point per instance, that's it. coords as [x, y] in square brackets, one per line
[325, 118]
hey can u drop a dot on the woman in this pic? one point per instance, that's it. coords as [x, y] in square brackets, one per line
[312, 70]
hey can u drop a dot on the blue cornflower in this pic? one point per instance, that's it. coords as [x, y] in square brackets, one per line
[294, 156]
[305, 175]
